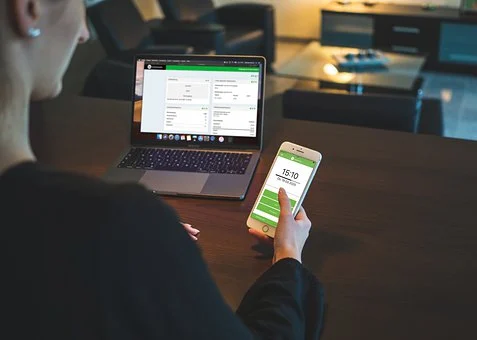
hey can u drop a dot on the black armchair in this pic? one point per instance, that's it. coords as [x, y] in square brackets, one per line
[123, 33]
[230, 29]
[400, 112]
[110, 79]
[375, 110]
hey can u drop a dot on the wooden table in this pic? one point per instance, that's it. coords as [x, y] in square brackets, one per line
[395, 233]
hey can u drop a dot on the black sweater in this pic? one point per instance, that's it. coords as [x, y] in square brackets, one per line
[83, 259]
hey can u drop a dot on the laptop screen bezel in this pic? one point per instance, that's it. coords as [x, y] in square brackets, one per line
[144, 139]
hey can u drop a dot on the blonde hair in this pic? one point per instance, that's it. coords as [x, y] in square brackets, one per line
[5, 79]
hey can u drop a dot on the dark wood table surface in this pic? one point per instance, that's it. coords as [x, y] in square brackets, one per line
[394, 236]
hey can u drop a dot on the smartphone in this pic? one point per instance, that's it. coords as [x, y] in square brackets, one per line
[293, 169]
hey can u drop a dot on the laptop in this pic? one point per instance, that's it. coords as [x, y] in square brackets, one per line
[197, 125]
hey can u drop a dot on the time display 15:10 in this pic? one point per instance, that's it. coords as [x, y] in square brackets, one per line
[290, 174]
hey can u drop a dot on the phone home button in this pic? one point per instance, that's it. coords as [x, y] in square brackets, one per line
[265, 228]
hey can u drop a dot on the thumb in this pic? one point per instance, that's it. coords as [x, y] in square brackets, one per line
[284, 201]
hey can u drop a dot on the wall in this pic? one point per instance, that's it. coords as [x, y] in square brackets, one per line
[451, 3]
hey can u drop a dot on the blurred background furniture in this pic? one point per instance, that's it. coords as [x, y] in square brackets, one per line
[316, 62]
[229, 29]
[110, 79]
[432, 119]
[123, 33]
[390, 111]
[442, 33]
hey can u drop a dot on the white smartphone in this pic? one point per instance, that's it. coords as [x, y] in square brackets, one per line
[293, 169]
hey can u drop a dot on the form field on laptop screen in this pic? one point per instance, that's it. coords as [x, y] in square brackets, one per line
[204, 100]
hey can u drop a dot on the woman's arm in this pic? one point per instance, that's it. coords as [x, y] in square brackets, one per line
[155, 283]
[286, 302]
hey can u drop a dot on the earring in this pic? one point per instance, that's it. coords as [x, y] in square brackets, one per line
[34, 32]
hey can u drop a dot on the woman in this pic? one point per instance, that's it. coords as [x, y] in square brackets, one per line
[89, 260]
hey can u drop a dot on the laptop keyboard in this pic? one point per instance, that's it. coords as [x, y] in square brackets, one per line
[186, 160]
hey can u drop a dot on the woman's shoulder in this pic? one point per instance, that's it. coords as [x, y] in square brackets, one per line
[44, 178]
[77, 190]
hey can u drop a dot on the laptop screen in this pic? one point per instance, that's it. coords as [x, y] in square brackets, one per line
[199, 101]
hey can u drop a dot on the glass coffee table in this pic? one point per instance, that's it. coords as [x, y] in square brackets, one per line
[316, 62]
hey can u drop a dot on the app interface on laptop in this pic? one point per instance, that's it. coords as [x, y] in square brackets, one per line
[290, 172]
[196, 101]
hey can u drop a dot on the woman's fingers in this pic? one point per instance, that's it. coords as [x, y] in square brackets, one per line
[260, 236]
[193, 232]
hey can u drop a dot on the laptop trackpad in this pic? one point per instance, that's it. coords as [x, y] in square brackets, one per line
[174, 182]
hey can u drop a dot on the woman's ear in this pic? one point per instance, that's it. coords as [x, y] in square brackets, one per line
[25, 17]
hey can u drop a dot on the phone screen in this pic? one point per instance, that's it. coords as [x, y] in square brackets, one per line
[290, 172]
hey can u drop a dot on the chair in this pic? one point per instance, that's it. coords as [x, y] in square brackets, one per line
[375, 110]
[230, 29]
[432, 120]
[110, 79]
[123, 33]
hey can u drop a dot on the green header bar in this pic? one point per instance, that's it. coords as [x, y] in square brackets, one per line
[298, 159]
[212, 68]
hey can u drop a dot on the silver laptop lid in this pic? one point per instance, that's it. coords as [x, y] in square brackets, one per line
[198, 101]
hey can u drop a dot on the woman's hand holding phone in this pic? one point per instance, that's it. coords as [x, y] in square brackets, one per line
[291, 233]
